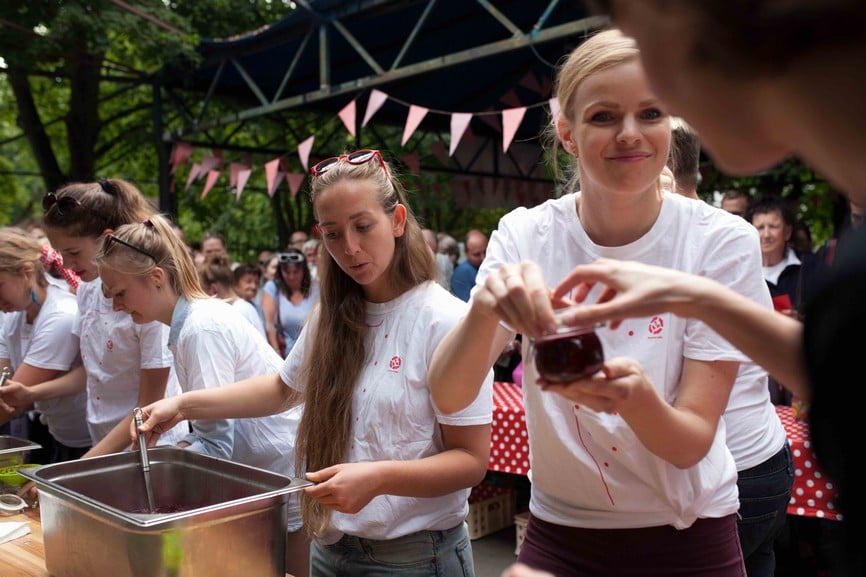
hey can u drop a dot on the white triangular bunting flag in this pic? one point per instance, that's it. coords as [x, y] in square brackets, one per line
[374, 103]
[347, 115]
[416, 115]
[459, 123]
[511, 119]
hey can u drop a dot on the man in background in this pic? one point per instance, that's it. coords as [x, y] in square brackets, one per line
[464, 275]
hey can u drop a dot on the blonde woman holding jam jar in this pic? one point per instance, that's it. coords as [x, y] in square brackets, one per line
[631, 474]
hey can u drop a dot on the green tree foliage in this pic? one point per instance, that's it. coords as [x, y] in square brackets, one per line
[77, 88]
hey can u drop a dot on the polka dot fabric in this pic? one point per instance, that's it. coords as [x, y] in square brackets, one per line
[813, 492]
[509, 444]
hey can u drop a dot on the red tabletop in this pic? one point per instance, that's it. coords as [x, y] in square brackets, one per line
[813, 493]
[509, 443]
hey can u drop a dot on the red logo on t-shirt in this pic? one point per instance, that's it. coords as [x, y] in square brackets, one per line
[396, 363]
[656, 325]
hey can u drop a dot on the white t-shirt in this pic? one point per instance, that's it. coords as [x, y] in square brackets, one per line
[249, 312]
[49, 344]
[214, 345]
[394, 414]
[589, 469]
[114, 349]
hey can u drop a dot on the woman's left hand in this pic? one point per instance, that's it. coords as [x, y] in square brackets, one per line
[610, 390]
[346, 487]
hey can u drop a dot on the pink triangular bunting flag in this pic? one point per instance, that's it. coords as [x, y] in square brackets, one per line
[413, 162]
[194, 173]
[208, 163]
[211, 179]
[374, 103]
[304, 149]
[511, 119]
[180, 153]
[243, 177]
[271, 168]
[437, 147]
[510, 98]
[531, 82]
[347, 115]
[234, 169]
[459, 123]
[295, 179]
[416, 115]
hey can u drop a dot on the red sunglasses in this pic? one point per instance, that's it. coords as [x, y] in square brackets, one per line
[357, 157]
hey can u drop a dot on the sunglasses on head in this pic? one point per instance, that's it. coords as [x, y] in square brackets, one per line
[288, 257]
[357, 157]
[111, 238]
[65, 204]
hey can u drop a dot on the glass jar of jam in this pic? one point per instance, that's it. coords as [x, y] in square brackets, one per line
[570, 354]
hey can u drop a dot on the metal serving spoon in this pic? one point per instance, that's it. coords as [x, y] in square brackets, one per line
[145, 462]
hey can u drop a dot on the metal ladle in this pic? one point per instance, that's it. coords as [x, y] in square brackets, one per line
[145, 462]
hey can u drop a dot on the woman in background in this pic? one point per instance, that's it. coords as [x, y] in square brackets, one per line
[218, 280]
[288, 299]
[124, 364]
[36, 344]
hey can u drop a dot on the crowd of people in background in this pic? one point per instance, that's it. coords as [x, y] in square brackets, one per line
[362, 354]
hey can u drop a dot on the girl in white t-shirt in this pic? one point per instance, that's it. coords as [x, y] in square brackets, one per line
[215, 275]
[124, 365]
[630, 470]
[150, 276]
[393, 472]
[36, 344]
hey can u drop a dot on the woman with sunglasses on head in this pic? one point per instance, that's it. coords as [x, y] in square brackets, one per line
[149, 275]
[124, 365]
[36, 345]
[288, 299]
[393, 472]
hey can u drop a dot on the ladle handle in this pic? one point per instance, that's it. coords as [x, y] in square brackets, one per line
[7, 372]
[142, 445]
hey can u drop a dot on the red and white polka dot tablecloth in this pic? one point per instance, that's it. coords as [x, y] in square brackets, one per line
[509, 443]
[813, 493]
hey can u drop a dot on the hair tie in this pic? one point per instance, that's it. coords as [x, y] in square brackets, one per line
[52, 259]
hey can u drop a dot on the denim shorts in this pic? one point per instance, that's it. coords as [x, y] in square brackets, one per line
[422, 554]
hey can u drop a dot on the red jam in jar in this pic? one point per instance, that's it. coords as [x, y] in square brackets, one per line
[569, 355]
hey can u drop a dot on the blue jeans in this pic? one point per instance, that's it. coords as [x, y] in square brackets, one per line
[422, 554]
[765, 490]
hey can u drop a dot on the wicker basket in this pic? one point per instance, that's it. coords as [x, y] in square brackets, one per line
[491, 508]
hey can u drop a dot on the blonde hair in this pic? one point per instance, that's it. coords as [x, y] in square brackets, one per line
[600, 52]
[337, 352]
[18, 248]
[154, 238]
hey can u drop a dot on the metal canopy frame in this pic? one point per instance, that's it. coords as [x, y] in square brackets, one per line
[445, 55]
